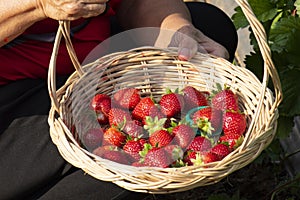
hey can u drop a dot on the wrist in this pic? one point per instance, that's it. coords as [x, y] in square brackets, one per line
[39, 11]
[175, 22]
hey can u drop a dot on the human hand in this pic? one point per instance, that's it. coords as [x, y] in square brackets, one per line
[71, 9]
[190, 40]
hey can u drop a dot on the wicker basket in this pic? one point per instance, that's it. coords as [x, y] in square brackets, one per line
[152, 69]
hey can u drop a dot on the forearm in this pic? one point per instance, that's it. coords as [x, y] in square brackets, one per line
[168, 14]
[15, 19]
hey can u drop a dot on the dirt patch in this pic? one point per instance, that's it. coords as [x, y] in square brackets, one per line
[254, 181]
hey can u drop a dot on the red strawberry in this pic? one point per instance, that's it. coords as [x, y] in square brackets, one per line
[221, 150]
[171, 104]
[138, 164]
[209, 157]
[101, 104]
[113, 154]
[157, 157]
[101, 150]
[92, 138]
[225, 99]
[133, 147]
[127, 98]
[154, 112]
[143, 108]
[193, 98]
[208, 119]
[183, 135]
[143, 141]
[189, 156]
[114, 136]
[234, 123]
[200, 144]
[118, 117]
[160, 138]
[134, 128]
[199, 158]
[175, 152]
[233, 140]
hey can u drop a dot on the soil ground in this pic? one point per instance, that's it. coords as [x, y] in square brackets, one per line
[251, 182]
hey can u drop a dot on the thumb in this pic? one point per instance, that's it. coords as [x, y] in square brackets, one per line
[187, 48]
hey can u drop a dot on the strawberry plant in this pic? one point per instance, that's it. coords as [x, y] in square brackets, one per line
[281, 21]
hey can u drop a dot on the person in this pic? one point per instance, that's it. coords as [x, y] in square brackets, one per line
[31, 166]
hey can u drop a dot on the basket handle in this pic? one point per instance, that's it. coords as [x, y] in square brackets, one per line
[63, 30]
[269, 67]
[260, 35]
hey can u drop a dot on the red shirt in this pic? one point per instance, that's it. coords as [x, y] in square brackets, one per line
[30, 58]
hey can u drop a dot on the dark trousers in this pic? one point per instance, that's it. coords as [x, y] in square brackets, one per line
[30, 165]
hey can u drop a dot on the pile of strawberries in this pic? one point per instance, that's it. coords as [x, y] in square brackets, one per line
[182, 128]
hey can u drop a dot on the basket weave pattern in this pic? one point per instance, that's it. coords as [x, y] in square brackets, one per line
[152, 70]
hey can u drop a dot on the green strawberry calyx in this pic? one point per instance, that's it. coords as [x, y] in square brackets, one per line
[154, 124]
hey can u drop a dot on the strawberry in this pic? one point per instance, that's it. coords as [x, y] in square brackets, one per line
[232, 140]
[114, 136]
[101, 150]
[113, 154]
[127, 98]
[220, 150]
[160, 138]
[199, 158]
[200, 143]
[117, 156]
[118, 117]
[209, 157]
[134, 128]
[175, 152]
[153, 113]
[101, 104]
[92, 138]
[171, 104]
[157, 157]
[143, 108]
[133, 147]
[183, 135]
[234, 123]
[138, 164]
[143, 141]
[224, 99]
[193, 98]
[208, 119]
[189, 156]
[158, 135]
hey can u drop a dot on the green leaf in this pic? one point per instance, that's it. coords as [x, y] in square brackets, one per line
[290, 82]
[285, 35]
[297, 5]
[263, 10]
[254, 63]
[285, 125]
[239, 19]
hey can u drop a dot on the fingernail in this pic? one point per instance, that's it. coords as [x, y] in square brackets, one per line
[184, 54]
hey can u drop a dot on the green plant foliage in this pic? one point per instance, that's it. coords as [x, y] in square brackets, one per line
[297, 5]
[285, 36]
[281, 21]
[264, 11]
